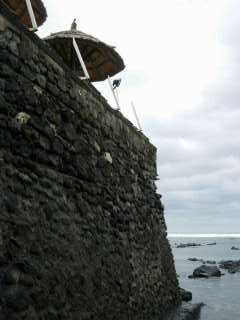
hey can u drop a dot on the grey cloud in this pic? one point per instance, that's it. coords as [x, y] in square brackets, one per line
[199, 162]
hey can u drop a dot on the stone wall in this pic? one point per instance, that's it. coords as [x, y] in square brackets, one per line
[82, 231]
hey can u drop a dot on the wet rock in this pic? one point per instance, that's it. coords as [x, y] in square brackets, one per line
[232, 266]
[13, 47]
[211, 244]
[235, 248]
[202, 261]
[186, 295]
[186, 245]
[186, 311]
[205, 271]
[196, 260]
[210, 262]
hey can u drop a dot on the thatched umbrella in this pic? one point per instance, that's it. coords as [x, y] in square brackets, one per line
[19, 7]
[100, 59]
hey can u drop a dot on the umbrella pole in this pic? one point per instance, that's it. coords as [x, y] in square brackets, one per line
[81, 60]
[32, 16]
[113, 92]
[117, 95]
[136, 116]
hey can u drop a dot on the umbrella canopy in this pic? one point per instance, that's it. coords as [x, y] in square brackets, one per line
[101, 60]
[19, 7]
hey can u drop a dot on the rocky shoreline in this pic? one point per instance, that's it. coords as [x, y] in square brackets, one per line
[207, 269]
[194, 244]
[202, 261]
[186, 311]
[232, 266]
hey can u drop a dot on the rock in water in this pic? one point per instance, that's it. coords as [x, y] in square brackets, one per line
[196, 260]
[211, 244]
[186, 245]
[186, 295]
[232, 266]
[235, 248]
[205, 271]
[210, 262]
[186, 311]
[202, 261]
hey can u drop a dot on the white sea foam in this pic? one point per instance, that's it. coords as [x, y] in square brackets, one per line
[202, 235]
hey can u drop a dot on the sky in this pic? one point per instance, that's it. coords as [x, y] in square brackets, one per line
[182, 72]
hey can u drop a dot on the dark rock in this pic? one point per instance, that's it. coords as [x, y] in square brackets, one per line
[232, 266]
[210, 262]
[211, 244]
[186, 245]
[234, 270]
[186, 311]
[70, 132]
[235, 248]
[16, 299]
[202, 261]
[26, 280]
[186, 295]
[58, 146]
[11, 277]
[206, 271]
[44, 143]
[195, 260]
[13, 47]
[41, 80]
[62, 85]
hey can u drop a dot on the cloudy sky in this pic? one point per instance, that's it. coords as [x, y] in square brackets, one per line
[183, 74]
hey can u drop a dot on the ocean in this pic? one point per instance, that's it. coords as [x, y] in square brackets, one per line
[221, 296]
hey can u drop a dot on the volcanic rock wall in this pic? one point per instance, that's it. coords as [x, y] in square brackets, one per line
[82, 231]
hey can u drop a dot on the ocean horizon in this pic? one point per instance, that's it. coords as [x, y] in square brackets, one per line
[203, 235]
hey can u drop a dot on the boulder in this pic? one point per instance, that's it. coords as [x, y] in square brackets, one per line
[202, 261]
[205, 271]
[232, 266]
[211, 244]
[235, 248]
[196, 260]
[186, 295]
[186, 311]
[185, 245]
[210, 262]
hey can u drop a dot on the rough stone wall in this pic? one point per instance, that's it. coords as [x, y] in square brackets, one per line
[82, 231]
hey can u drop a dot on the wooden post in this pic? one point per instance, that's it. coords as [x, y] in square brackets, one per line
[117, 95]
[136, 116]
[81, 61]
[32, 16]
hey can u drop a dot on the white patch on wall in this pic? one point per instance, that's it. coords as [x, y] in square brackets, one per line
[22, 118]
[107, 157]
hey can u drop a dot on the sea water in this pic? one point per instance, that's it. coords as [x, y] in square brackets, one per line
[221, 296]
